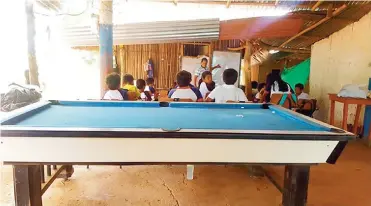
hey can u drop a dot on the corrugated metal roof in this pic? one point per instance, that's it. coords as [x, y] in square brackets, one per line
[351, 14]
[147, 33]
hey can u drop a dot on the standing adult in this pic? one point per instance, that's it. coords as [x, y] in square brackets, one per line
[198, 72]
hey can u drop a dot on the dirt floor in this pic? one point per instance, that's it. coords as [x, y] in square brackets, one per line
[348, 183]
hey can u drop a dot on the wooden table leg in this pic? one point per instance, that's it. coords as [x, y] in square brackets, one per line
[332, 112]
[21, 186]
[27, 186]
[356, 119]
[295, 185]
[42, 175]
[345, 117]
[49, 170]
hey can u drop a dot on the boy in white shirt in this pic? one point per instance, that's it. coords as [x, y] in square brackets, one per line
[184, 90]
[227, 92]
[299, 92]
[113, 84]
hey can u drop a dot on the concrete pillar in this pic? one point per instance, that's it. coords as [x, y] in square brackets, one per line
[33, 71]
[105, 41]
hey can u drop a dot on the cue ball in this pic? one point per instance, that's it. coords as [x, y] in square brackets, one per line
[239, 115]
[273, 112]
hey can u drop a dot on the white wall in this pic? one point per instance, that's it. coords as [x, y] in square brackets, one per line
[343, 58]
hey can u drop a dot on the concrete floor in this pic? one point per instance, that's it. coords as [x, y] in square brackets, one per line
[348, 183]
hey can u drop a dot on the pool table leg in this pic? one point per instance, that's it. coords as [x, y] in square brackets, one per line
[49, 170]
[27, 185]
[295, 185]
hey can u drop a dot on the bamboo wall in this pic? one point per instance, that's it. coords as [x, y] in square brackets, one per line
[131, 59]
[166, 58]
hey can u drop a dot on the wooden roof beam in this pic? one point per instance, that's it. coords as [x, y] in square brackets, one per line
[317, 5]
[335, 13]
[269, 47]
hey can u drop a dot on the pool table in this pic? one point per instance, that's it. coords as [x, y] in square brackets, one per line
[127, 133]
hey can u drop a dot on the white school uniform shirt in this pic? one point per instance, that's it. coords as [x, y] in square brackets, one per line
[113, 95]
[203, 89]
[275, 89]
[225, 93]
[184, 94]
[303, 96]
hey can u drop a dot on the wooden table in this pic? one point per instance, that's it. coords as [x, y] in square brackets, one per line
[346, 101]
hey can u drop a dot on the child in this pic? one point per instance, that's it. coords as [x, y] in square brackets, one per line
[113, 84]
[299, 92]
[200, 70]
[259, 95]
[129, 85]
[144, 95]
[184, 90]
[227, 92]
[150, 86]
[193, 88]
[207, 85]
[254, 86]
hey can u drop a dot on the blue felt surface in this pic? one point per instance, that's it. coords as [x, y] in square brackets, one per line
[186, 116]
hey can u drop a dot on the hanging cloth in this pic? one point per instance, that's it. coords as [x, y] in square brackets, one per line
[149, 68]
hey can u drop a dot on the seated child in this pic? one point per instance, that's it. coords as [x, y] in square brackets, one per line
[113, 84]
[254, 88]
[150, 88]
[299, 92]
[207, 85]
[144, 95]
[129, 85]
[227, 92]
[184, 90]
[193, 88]
[259, 95]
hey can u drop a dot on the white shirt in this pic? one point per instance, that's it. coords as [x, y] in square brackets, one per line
[203, 89]
[258, 96]
[113, 95]
[276, 90]
[225, 93]
[303, 96]
[184, 94]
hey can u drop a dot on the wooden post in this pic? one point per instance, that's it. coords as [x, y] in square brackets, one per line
[247, 67]
[33, 74]
[295, 185]
[105, 41]
[332, 112]
[210, 56]
[356, 119]
[27, 185]
[345, 117]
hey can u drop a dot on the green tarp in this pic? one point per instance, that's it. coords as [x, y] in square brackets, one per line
[297, 74]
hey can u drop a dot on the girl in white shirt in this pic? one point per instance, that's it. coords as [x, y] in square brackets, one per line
[207, 84]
